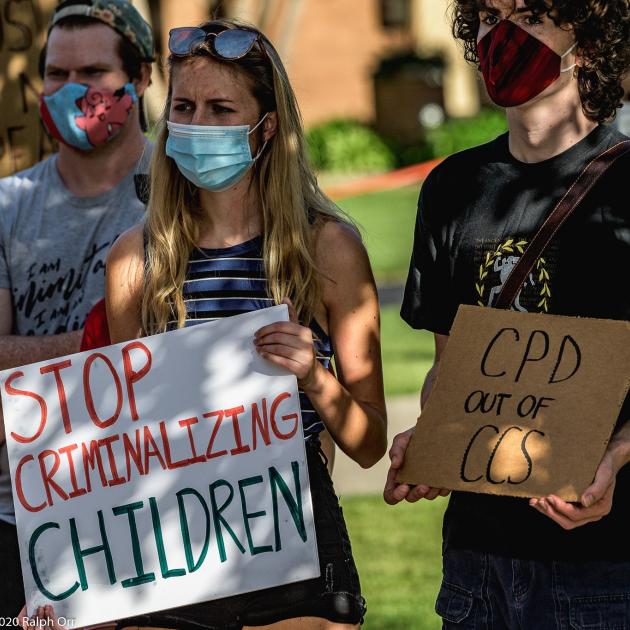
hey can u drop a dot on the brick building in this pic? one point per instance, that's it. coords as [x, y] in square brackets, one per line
[333, 47]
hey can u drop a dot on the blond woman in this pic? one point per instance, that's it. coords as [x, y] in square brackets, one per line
[236, 222]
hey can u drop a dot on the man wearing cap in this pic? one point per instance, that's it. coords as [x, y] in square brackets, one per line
[59, 218]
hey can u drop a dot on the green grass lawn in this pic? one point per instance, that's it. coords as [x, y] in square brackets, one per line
[407, 353]
[386, 220]
[397, 551]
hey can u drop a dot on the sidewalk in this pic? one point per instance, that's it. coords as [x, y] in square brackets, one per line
[349, 477]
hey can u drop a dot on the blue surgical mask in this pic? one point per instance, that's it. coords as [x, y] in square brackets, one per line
[213, 158]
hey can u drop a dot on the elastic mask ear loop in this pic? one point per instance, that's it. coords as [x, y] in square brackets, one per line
[265, 142]
[260, 151]
[258, 124]
[565, 54]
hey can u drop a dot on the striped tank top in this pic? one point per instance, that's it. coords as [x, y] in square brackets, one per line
[232, 281]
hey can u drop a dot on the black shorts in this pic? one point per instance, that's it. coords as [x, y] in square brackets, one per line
[335, 595]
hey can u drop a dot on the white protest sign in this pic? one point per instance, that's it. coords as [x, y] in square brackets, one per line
[159, 472]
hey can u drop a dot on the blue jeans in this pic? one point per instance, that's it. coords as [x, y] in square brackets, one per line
[482, 591]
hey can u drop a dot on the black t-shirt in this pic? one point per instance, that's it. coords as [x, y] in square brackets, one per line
[477, 211]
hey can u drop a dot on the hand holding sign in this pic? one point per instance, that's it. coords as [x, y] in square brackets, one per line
[395, 492]
[596, 500]
[43, 617]
[289, 345]
[526, 404]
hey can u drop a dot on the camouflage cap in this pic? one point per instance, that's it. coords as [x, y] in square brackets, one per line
[121, 15]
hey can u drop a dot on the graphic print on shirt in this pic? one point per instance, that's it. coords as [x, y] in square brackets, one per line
[52, 298]
[494, 263]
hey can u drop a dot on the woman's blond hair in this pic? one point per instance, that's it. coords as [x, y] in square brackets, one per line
[291, 200]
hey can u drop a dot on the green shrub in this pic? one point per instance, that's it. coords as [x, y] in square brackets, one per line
[406, 155]
[348, 146]
[458, 134]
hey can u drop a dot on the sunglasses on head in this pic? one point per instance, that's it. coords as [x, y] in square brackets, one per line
[232, 43]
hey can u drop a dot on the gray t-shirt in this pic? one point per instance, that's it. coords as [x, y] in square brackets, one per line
[53, 248]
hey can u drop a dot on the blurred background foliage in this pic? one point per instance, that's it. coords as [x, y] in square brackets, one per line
[458, 134]
[352, 147]
[348, 146]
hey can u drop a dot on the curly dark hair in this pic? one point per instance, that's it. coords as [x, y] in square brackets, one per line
[602, 31]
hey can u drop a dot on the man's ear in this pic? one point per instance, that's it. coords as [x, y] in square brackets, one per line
[270, 126]
[144, 80]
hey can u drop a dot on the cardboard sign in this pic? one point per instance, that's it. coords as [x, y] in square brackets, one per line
[159, 472]
[523, 404]
[23, 141]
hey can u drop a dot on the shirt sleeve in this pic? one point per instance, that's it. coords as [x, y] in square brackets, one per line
[427, 301]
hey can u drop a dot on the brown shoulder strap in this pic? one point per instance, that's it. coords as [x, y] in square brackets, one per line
[573, 197]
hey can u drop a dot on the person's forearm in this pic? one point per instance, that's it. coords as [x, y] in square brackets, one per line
[619, 446]
[428, 385]
[16, 350]
[358, 428]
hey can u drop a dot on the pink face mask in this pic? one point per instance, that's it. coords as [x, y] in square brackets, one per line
[516, 66]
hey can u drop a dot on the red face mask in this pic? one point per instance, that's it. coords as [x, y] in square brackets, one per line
[516, 66]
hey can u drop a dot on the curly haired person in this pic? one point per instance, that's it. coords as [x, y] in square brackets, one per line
[557, 67]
